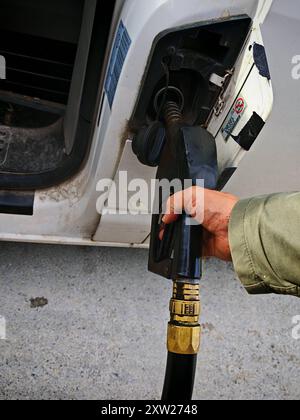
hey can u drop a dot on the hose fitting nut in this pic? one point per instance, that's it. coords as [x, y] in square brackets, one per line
[184, 340]
[184, 330]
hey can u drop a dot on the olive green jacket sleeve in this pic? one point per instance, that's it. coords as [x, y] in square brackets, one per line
[264, 235]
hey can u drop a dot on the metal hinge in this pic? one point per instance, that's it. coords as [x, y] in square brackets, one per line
[223, 83]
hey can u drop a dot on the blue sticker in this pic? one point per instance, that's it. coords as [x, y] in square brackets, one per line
[119, 54]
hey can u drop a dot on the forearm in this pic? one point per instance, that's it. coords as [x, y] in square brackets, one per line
[264, 235]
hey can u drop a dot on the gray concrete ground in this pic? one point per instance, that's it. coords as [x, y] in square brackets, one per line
[102, 334]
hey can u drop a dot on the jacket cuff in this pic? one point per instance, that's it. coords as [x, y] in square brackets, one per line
[241, 253]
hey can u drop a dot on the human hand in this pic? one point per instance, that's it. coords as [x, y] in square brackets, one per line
[213, 213]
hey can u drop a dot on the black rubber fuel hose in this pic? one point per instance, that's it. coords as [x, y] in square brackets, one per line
[180, 377]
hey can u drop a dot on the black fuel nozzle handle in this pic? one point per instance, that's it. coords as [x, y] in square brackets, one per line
[187, 154]
[188, 254]
[179, 250]
[190, 156]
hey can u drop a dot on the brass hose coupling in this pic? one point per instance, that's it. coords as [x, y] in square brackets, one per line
[184, 330]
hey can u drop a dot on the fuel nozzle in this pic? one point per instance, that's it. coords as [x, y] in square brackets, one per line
[185, 153]
[184, 329]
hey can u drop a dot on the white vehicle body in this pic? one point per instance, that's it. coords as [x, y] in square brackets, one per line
[67, 213]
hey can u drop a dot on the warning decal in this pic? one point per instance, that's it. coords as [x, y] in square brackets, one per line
[239, 106]
[233, 117]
